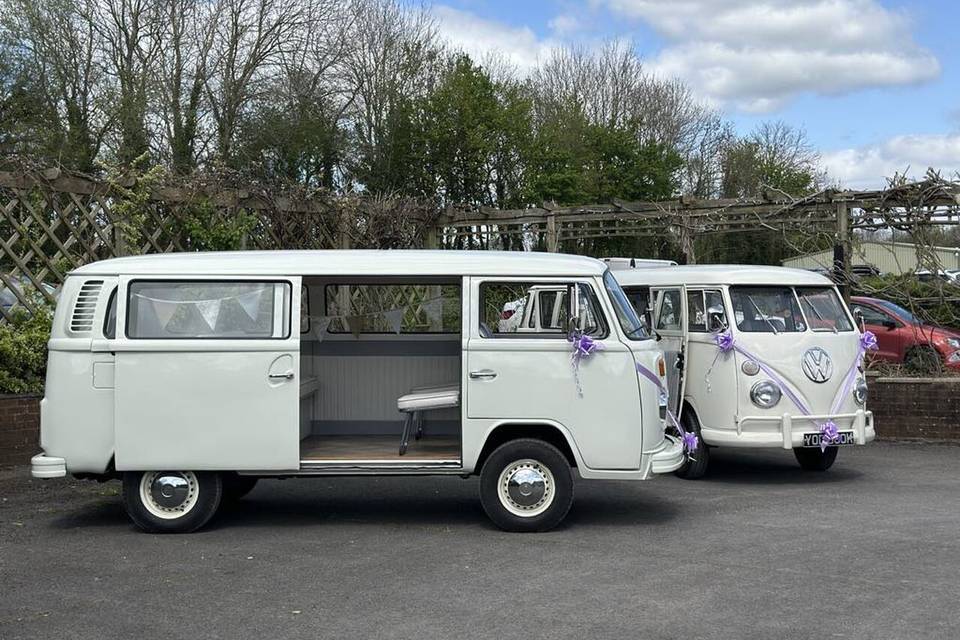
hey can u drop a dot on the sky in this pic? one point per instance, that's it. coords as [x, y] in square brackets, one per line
[875, 84]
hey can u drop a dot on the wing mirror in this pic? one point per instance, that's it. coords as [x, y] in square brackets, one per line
[716, 320]
[890, 325]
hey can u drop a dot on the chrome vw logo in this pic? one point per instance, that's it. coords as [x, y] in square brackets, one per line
[817, 365]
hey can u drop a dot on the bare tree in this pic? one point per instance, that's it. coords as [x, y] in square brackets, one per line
[182, 73]
[249, 36]
[58, 42]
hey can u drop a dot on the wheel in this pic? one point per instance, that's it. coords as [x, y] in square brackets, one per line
[526, 485]
[813, 459]
[923, 359]
[171, 501]
[696, 463]
[236, 486]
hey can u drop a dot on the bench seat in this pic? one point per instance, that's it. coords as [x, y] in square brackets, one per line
[421, 399]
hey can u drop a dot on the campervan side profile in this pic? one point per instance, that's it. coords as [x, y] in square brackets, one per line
[190, 376]
[757, 357]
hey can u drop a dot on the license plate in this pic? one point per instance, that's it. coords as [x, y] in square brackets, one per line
[813, 439]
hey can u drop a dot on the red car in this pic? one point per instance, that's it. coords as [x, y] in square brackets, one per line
[901, 336]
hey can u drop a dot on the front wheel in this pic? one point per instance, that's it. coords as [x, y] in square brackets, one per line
[696, 462]
[526, 485]
[171, 501]
[812, 459]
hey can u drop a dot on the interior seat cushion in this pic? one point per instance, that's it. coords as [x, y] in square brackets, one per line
[425, 398]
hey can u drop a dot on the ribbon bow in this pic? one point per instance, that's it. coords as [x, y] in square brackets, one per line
[868, 341]
[584, 346]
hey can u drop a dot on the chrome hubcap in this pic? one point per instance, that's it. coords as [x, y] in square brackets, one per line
[170, 490]
[526, 488]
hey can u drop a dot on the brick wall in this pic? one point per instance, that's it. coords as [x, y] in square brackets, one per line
[916, 407]
[19, 428]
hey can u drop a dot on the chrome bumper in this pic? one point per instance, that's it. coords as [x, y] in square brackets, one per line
[787, 431]
[44, 466]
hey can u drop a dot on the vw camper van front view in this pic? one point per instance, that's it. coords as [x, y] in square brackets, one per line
[757, 357]
[191, 376]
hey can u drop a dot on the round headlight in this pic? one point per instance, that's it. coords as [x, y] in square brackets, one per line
[860, 391]
[765, 394]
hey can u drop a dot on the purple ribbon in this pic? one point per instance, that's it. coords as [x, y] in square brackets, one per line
[584, 346]
[828, 430]
[689, 439]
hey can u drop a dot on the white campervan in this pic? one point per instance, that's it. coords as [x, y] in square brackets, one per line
[757, 357]
[191, 375]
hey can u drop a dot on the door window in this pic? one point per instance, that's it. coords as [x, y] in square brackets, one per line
[502, 310]
[208, 309]
[669, 310]
[872, 316]
[705, 311]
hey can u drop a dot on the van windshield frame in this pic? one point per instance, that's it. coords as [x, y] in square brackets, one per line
[787, 309]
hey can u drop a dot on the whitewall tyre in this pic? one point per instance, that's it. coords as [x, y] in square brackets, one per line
[171, 501]
[526, 485]
[813, 459]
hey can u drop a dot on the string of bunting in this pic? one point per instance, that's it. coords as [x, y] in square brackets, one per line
[357, 323]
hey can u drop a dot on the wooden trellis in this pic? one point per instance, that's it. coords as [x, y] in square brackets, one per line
[51, 222]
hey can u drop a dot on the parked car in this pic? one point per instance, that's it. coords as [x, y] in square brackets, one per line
[25, 287]
[904, 338]
[946, 275]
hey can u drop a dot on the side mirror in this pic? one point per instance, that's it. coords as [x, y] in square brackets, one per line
[858, 318]
[890, 325]
[716, 320]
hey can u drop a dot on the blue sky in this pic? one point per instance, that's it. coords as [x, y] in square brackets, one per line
[876, 84]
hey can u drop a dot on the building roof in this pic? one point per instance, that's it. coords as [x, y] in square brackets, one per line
[353, 262]
[718, 274]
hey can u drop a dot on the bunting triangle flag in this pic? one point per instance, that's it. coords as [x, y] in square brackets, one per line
[210, 310]
[163, 308]
[355, 324]
[434, 310]
[250, 303]
[394, 319]
[320, 325]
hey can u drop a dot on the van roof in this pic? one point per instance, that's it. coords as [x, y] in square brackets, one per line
[718, 274]
[352, 262]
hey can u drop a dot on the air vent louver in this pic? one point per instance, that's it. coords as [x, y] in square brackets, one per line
[82, 319]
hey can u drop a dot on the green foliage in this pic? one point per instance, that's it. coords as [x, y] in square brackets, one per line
[23, 352]
[208, 229]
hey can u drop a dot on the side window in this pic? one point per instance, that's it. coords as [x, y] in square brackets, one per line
[208, 309]
[502, 309]
[402, 308]
[872, 316]
[696, 315]
[716, 314]
[110, 321]
[669, 310]
[304, 309]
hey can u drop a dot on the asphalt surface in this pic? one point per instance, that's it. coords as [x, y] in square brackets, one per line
[759, 549]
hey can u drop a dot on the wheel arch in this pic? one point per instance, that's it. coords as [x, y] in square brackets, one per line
[545, 431]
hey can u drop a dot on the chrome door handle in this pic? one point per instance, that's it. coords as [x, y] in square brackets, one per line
[282, 376]
[483, 374]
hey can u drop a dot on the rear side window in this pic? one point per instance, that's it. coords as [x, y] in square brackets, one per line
[110, 321]
[503, 306]
[208, 309]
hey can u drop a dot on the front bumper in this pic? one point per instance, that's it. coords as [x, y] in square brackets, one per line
[668, 457]
[787, 431]
[44, 466]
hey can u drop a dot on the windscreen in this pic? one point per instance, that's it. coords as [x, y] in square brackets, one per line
[626, 315]
[823, 309]
[766, 310]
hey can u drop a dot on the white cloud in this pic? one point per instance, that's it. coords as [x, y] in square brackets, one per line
[759, 54]
[867, 167]
[479, 37]
[564, 24]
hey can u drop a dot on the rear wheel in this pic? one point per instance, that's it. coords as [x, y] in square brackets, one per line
[171, 501]
[526, 485]
[813, 459]
[696, 462]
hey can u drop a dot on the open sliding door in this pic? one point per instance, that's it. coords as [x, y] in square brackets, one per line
[207, 373]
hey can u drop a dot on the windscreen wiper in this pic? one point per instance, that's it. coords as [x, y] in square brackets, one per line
[763, 315]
